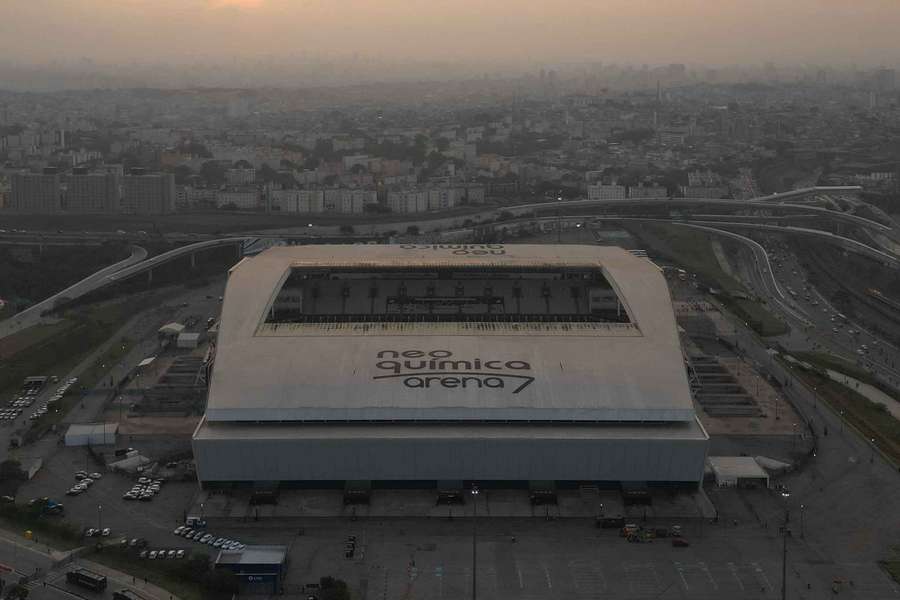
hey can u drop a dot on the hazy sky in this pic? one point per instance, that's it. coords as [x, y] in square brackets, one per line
[866, 32]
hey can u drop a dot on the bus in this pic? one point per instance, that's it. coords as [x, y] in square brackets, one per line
[87, 579]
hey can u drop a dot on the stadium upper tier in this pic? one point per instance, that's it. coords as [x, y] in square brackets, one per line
[448, 333]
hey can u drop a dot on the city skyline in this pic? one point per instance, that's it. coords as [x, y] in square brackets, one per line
[189, 32]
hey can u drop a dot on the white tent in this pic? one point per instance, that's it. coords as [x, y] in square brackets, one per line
[91, 434]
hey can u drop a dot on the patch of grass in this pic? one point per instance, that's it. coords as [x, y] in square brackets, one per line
[78, 333]
[892, 564]
[148, 570]
[824, 360]
[692, 249]
[50, 530]
[757, 317]
[872, 419]
[26, 338]
[191, 578]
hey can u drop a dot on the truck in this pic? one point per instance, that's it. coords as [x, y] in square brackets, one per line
[195, 522]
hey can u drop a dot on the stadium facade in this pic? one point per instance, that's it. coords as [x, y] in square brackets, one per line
[415, 364]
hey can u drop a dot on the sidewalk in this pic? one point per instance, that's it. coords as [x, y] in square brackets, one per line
[61, 559]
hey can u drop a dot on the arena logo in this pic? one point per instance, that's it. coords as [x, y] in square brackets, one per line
[419, 369]
[461, 249]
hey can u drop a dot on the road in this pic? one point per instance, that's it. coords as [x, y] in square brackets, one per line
[816, 325]
[47, 569]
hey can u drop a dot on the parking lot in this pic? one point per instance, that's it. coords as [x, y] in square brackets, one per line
[132, 518]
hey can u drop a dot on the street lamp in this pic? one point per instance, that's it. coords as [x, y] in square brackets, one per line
[801, 520]
[474, 538]
[872, 456]
[100, 517]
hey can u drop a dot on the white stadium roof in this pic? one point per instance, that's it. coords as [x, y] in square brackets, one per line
[451, 371]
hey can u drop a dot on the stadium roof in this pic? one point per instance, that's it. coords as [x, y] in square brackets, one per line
[447, 371]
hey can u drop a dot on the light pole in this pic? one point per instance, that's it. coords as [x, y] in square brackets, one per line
[474, 539]
[100, 517]
[784, 535]
[872, 456]
[801, 521]
[558, 220]
[842, 421]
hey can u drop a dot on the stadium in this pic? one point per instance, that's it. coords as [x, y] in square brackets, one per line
[410, 365]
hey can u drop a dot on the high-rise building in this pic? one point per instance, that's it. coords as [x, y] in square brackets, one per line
[90, 192]
[606, 192]
[36, 192]
[148, 193]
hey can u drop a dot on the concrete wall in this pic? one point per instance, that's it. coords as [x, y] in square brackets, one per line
[422, 459]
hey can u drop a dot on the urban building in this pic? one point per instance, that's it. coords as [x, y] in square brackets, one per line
[239, 198]
[240, 176]
[36, 192]
[148, 193]
[87, 192]
[647, 191]
[413, 364]
[606, 192]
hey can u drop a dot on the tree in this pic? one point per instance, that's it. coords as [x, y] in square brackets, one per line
[182, 174]
[412, 230]
[20, 592]
[213, 172]
[11, 470]
[333, 589]
[347, 229]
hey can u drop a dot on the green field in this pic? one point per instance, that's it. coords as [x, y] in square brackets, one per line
[829, 361]
[19, 341]
[52, 531]
[871, 418]
[190, 578]
[57, 349]
[892, 564]
[757, 316]
[692, 250]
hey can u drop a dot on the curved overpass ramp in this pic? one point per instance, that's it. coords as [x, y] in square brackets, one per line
[840, 217]
[135, 264]
[32, 315]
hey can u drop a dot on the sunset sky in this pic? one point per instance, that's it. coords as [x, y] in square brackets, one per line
[865, 32]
